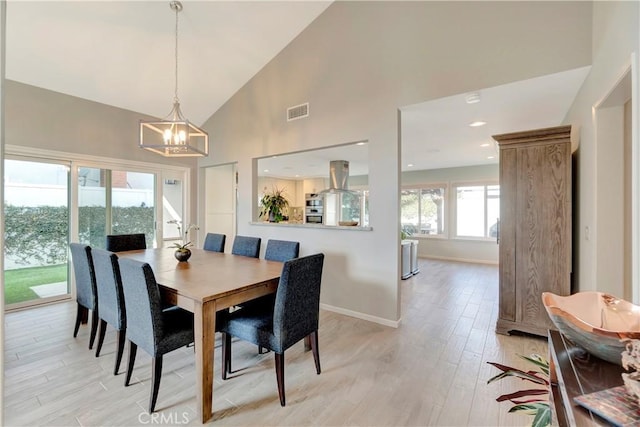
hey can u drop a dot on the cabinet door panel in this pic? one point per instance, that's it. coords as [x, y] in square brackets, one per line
[541, 228]
[508, 182]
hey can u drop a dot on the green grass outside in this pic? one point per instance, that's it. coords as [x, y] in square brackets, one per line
[17, 282]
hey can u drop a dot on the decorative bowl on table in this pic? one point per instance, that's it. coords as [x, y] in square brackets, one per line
[347, 223]
[595, 321]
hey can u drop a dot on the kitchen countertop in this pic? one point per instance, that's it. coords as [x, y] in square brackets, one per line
[304, 225]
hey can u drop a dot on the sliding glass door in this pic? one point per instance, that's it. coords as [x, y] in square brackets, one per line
[49, 203]
[36, 236]
[115, 202]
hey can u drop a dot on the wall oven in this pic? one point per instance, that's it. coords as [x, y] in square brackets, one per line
[313, 208]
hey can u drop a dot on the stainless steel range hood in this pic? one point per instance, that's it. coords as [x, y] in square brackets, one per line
[338, 177]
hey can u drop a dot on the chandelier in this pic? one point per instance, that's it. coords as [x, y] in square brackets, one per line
[174, 136]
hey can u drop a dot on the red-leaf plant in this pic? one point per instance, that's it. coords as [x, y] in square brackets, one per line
[537, 406]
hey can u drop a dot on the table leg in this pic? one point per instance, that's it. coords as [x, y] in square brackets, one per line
[204, 323]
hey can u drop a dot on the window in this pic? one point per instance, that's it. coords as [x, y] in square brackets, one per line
[115, 202]
[422, 211]
[477, 210]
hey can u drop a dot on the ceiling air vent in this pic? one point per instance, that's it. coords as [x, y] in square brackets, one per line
[298, 112]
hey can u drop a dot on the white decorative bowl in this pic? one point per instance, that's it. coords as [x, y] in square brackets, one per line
[595, 321]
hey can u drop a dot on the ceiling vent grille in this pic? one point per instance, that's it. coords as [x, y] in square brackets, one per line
[298, 112]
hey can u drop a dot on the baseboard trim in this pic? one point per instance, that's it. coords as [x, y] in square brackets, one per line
[363, 316]
[472, 261]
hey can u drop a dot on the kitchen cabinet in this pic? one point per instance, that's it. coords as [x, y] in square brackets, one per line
[535, 226]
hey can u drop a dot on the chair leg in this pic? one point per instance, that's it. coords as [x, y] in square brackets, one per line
[103, 330]
[280, 376]
[226, 355]
[94, 327]
[133, 348]
[155, 382]
[313, 340]
[120, 338]
[80, 315]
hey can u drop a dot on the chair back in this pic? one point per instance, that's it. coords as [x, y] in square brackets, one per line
[297, 306]
[143, 305]
[86, 293]
[126, 242]
[246, 246]
[214, 242]
[281, 250]
[109, 285]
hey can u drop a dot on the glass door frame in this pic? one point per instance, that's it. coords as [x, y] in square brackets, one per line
[74, 162]
[70, 286]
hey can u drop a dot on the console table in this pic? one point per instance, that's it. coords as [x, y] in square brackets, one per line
[575, 372]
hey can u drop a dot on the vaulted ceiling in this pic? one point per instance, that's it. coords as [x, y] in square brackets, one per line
[121, 53]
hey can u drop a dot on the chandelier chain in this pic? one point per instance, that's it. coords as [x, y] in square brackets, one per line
[175, 95]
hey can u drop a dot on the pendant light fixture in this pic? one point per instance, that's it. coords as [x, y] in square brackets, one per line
[174, 136]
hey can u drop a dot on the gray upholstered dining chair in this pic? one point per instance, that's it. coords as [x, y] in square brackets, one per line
[126, 242]
[111, 309]
[214, 242]
[155, 330]
[246, 246]
[86, 295]
[277, 250]
[293, 317]
[281, 250]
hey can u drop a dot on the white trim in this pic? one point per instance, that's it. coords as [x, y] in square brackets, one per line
[469, 260]
[105, 162]
[363, 316]
[635, 179]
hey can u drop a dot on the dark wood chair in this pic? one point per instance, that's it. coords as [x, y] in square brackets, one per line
[214, 242]
[293, 317]
[126, 242]
[111, 308]
[149, 327]
[86, 294]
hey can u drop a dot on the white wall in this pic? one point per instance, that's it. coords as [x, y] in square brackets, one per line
[356, 64]
[615, 37]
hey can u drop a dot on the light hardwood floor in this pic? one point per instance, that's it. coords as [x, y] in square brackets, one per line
[431, 370]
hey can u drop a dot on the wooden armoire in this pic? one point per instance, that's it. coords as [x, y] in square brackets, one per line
[535, 226]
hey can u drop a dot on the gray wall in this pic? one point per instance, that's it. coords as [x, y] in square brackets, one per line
[48, 120]
[44, 119]
[356, 65]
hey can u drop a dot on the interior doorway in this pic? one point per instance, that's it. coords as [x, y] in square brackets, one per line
[614, 165]
[220, 201]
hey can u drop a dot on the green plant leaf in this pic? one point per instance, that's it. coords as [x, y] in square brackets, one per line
[543, 416]
[539, 361]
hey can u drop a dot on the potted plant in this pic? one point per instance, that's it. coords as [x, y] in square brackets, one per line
[533, 401]
[183, 253]
[273, 204]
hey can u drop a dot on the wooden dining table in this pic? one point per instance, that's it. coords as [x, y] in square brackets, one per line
[206, 283]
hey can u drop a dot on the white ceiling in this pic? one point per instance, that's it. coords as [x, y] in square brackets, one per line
[436, 134]
[122, 54]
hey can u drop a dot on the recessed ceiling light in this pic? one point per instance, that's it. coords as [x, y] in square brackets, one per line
[491, 157]
[472, 98]
[361, 143]
[477, 123]
[266, 170]
[486, 144]
[273, 157]
[410, 165]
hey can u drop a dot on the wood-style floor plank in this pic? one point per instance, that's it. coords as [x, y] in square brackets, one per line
[432, 370]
